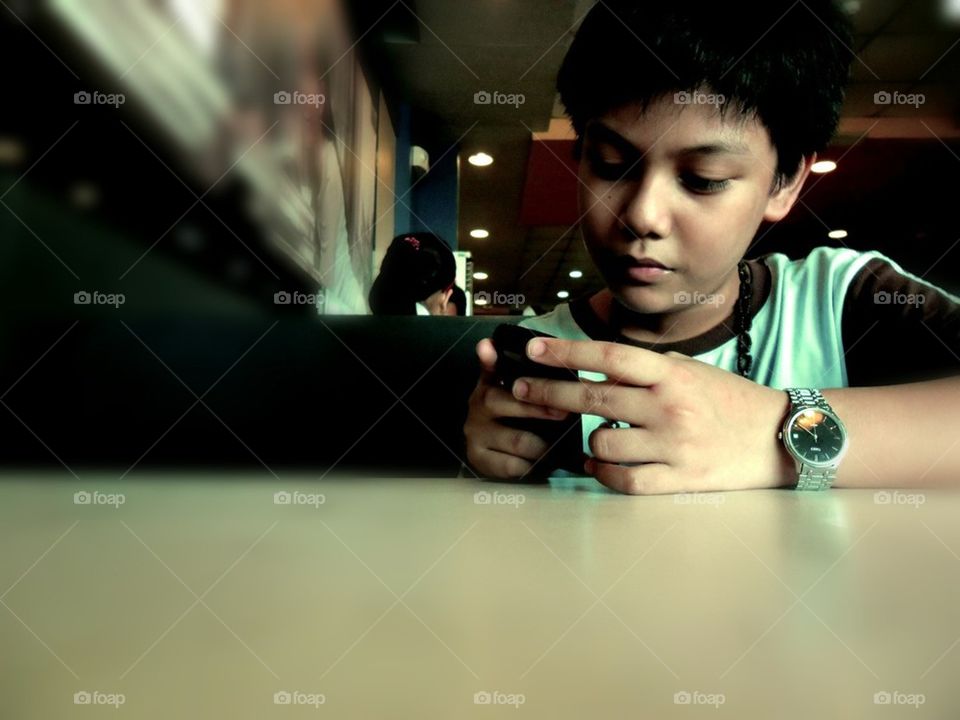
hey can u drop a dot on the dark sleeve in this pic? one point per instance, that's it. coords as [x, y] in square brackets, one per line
[897, 330]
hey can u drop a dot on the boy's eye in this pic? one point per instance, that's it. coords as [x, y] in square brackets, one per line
[702, 185]
[607, 169]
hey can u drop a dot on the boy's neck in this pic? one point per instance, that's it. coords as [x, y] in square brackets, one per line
[667, 327]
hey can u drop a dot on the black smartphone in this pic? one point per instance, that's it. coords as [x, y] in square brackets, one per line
[565, 437]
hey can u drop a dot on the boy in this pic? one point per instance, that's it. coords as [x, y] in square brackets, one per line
[694, 126]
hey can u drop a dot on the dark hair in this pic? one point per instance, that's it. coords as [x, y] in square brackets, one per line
[788, 62]
[415, 266]
[459, 299]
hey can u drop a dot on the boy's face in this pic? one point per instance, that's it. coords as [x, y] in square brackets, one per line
[697, 191]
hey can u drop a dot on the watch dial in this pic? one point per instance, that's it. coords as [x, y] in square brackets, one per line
[816, 437]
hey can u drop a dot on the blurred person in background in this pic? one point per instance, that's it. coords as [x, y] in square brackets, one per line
[457, 305]
[416, 277]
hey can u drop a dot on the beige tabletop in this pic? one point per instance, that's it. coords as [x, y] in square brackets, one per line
[184, 595]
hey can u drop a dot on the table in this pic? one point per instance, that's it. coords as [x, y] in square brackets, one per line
[242, 595]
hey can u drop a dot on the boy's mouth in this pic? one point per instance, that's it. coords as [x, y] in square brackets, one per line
[641, 270]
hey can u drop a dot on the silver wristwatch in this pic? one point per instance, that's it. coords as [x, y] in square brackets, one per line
[815, 438]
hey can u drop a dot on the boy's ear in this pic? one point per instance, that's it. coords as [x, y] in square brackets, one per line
[781, 200]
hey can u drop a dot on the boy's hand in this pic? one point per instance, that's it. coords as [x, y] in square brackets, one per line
[693, 427]
[493, 449]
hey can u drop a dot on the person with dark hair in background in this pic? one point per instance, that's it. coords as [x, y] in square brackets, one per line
[416, 277]
[457, 305]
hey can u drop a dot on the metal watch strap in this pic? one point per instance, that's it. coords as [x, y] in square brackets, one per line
[811, 478]
[804, 397]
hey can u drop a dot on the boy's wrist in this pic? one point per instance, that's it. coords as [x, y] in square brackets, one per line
[784, 469]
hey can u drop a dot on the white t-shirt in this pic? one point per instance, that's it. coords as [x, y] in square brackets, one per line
[800, 313]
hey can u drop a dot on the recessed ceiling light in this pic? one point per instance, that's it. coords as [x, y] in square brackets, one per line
[576, 273]
[84, 195]
[951, 10]
[480, 159]
[12, 152]
[823, 166]
[479, 233]
[480, 276]
[851, 7]
[837, 234]
[563, 294]
[479, 300]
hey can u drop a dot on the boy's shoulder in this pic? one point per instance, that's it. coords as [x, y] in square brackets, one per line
[826, 272]
[895, 326]
[851, 272]
[823, 260]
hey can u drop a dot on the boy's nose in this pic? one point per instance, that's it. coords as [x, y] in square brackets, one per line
[645, 214]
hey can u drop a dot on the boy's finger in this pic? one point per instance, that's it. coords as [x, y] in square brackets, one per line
[519, 443]
[500, 403]
[650, 479]
[503, 465]
[487, 354]
[622, 363]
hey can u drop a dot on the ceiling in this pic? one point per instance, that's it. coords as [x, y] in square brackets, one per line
[526, 199]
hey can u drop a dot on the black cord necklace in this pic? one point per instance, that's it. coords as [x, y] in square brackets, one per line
[742, 321]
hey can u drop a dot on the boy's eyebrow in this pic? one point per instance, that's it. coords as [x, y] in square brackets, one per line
[600, 132]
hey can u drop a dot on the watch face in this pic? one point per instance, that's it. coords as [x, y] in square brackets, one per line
[816, 437]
